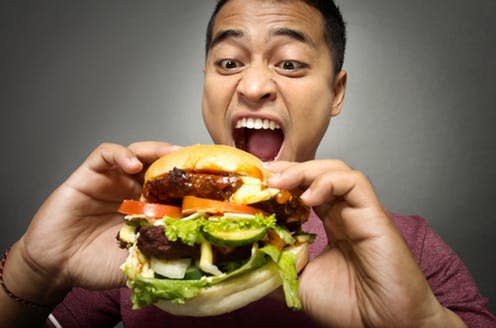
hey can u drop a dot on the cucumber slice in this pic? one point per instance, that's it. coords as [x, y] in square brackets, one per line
[193, 273]
[305, 237]
[236, 237]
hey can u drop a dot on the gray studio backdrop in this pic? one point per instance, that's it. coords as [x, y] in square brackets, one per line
[419, 115]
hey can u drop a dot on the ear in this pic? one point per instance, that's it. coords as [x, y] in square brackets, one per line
[339, 90]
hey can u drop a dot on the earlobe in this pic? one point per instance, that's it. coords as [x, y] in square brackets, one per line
[339, 90]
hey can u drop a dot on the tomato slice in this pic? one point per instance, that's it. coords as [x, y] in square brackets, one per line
[192, 204]
[151, 210]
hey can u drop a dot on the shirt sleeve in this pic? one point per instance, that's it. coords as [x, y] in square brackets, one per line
[83, 308]
[447, 275]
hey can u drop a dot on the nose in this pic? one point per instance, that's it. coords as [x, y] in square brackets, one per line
[257, 85]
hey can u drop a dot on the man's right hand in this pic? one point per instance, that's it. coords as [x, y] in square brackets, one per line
[71, 240]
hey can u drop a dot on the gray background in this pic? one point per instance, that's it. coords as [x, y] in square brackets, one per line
[418, 119]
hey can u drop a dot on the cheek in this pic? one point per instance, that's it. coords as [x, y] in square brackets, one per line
[311, 102]
[310, 129]
[310, 107]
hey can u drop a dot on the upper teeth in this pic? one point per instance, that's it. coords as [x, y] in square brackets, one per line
[256, 123]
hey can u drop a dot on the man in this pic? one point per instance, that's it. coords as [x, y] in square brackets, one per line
[269, 63]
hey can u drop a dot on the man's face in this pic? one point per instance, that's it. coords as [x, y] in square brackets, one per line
[269, 86]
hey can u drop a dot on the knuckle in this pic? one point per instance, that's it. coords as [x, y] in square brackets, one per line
[147, 144]
[342, 165]
[324, 179]
[359, 175]
[336, 164]
[104, 146]
[135, 145]
[108, 149]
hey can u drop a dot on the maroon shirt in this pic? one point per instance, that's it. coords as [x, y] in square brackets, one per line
[448, 277]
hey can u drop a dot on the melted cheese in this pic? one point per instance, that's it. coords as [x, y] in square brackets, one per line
[128, 234]
[252, 191]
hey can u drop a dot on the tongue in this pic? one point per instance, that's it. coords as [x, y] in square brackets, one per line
[264, 144]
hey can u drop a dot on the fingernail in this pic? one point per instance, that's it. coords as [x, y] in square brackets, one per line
[274, 178]
[266, 164]
[135, 162]
[306, 194]
[134, 166]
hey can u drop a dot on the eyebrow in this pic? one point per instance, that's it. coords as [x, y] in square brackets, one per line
[294, 34]
[283, 31]
[223, 35]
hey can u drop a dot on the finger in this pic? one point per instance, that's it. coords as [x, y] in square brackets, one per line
[108, 156]
[350, 186]
[150, 151]
[327, 187]
[303, 174]
[277, 166]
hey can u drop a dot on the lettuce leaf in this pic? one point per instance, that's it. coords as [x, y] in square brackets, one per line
[286, 262]
[188, 231]
[236, 224]
[146, 291]
[289, 276]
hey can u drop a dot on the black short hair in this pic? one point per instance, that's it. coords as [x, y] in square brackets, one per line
[334, 28]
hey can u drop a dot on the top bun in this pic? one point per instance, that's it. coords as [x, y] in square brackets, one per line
[212, 159]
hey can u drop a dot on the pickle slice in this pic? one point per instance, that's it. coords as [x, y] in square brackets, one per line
[236, 237]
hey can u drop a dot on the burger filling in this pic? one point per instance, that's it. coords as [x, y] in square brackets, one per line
[172, 187]
[173, 256]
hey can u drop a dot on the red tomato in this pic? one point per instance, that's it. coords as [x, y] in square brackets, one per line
[151, 210]
[192, 204]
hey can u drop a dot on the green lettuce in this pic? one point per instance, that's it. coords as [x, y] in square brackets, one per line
[236, 224]
[189, 231]
[146, 291]
[286, 262]
[289, 276]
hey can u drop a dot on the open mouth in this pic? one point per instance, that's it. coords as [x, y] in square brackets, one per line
[261, 137]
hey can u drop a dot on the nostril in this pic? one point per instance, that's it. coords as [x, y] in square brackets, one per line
[256, 85]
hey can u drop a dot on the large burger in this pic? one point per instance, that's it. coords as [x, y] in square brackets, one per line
[208, 235]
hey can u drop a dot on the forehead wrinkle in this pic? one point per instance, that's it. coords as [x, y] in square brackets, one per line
[295, 23]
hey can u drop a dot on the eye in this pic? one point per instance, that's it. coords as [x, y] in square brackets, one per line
[291, 67]
[229, 65]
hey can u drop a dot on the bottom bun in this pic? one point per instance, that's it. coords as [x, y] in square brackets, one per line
[229, 295]
[236, 292]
